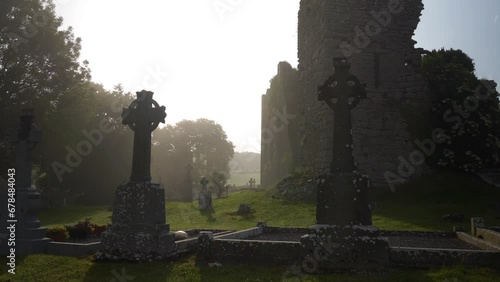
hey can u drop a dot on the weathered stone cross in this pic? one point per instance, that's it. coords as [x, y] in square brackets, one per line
[142, 118]
[204, 182]
[342, 92]
[342, 194]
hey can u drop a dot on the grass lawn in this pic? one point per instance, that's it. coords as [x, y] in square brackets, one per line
[414, 206]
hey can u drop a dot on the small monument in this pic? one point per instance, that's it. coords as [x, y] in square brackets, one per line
[205, 196]
[343, 214]
[30, 236]
[138, 229]
[251, 183]
[342, 193]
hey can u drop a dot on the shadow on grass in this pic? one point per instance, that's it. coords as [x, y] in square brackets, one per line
[122, 272]
[209, 214]
[423, 203]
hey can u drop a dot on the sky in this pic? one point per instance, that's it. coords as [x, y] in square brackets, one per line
[214, 59]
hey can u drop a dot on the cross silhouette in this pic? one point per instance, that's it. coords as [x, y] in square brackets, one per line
[143, 118]
[204, 182]
[342, 92]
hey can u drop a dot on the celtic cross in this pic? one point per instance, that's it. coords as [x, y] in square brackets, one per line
[143, 118]
[342, 92]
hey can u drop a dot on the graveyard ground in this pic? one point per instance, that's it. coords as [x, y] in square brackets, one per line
[413, 206]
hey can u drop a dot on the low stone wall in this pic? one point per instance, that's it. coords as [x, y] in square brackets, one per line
[417, 257]
[346, 248]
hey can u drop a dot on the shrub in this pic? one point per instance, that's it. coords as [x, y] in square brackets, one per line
[299, 186]
[81, 230]
[97, 229]
[58, 233]
[466, 116]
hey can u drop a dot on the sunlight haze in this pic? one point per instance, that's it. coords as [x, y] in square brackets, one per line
[207, 63]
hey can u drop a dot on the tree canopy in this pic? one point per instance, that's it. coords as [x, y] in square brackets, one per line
[466, 112]
[202, 143]
[85, 150]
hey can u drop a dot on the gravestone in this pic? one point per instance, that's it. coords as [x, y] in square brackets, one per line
[342, 193]
[138, 229]
[205, 196]
[187, 190]
[30, 236]
[343, 238]
[252, 183]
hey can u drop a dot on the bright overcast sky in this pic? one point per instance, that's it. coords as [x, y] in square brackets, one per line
[207, 63]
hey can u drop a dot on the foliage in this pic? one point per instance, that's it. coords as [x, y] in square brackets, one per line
[41, 68]
[219, 180]
[57, 233]
[300, 186]
[85, 229]
[97, 229]
[466, 116]
[202, 143]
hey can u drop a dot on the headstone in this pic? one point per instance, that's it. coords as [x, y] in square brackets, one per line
[30, 236]
[244, 209]
[205, 196]
[252, 183]
[475, 223]
[342, 193]
[343, 237]
[138, 231]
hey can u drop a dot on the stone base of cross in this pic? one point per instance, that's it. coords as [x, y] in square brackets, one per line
[138, 230]
[340, 206]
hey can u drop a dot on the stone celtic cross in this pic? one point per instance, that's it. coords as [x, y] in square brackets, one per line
[143, 118]
[28, 135]
[204, 182]
[342, 194]
[342, 92]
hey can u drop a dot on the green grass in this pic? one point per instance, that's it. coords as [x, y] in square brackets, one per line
[53, 268]
[421, 204]
[414, 206]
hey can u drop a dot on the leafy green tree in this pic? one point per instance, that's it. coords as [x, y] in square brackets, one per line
[202, 143]
[466, 114]
[40, 68]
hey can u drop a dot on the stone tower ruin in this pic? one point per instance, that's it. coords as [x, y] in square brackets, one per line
[376, 36]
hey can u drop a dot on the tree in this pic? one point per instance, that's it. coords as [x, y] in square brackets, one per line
[202, 143]
[466, 114]
[40, 69]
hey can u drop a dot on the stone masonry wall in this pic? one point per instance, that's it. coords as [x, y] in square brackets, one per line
[377, 37]
[280, 106]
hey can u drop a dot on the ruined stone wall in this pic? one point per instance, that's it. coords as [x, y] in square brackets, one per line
[377, 37]
[280, 106]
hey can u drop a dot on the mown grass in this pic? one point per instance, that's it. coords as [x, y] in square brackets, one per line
[413, 206]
